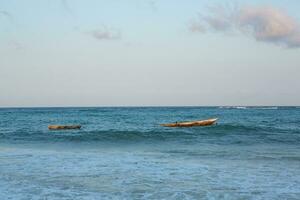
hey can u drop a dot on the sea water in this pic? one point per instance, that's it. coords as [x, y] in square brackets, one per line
[123, 153]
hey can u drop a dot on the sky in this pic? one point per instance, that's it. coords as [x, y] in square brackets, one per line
[149, 53]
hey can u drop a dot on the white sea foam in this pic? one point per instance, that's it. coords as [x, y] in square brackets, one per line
[267, 108]
[241, 107]
[233, 107]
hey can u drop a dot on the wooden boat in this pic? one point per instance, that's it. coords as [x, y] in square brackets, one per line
[192, 123]
[62, 127]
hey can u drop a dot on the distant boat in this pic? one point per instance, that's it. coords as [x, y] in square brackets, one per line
[62, 127]
[192, 123]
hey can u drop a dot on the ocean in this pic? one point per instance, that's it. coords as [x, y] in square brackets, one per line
[123, 153]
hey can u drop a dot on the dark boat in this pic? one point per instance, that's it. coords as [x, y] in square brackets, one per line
[62, 127]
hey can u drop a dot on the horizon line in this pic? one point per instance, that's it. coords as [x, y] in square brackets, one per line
[146, 106]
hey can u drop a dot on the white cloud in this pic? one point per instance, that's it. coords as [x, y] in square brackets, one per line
[266, 24]
[106, 34]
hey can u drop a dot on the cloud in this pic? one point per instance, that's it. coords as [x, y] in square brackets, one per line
[16, 45]
[7, 15]
[106, 34]
[66, 7]
[196, 27]
[153, 5]
[270, 25]
[267, 24]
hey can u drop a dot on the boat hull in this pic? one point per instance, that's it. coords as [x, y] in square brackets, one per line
[207, 122]
[63, 127]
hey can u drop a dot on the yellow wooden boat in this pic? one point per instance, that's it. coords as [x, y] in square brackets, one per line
[192, 123]
[62, 127]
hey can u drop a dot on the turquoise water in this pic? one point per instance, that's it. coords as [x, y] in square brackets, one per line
[123, 153]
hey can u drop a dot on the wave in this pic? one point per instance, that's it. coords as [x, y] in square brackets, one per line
[90, 136]
[266, 108]
[221, 133]
[233, 107]
[250, 107]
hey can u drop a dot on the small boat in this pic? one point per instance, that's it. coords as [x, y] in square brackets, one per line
[192, 123]
[62, 127]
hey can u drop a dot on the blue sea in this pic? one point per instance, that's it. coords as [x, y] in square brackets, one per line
[123, 153]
